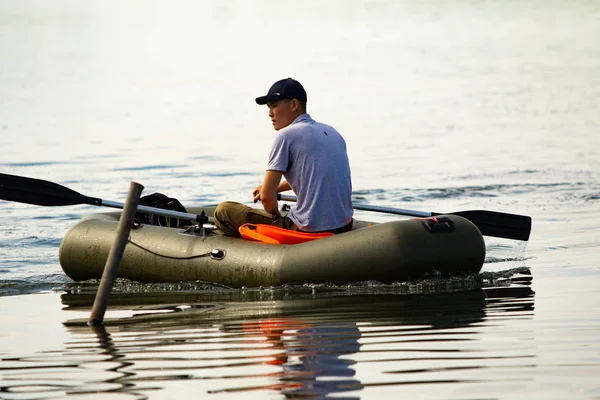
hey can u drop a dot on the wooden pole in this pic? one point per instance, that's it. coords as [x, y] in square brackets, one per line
[111, 268]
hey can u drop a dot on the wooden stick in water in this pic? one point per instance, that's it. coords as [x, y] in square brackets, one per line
[111, 268]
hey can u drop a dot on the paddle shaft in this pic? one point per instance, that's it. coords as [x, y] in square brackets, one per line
[159, 211]
[489, 223]
[367, 207]
[44, 193]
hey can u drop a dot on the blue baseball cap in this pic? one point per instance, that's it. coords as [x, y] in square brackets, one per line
[284, 89]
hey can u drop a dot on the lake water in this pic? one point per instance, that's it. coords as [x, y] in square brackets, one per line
[445, 106]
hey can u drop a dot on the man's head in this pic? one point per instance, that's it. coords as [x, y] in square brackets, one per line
[286, 100]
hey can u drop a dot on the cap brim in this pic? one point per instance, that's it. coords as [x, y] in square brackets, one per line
[270, 98]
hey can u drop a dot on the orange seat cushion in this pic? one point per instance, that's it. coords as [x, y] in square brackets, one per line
[275, 235]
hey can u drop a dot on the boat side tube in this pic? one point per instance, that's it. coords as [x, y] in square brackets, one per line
[388, 252]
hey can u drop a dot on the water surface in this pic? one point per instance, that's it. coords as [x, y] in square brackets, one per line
[445, 106]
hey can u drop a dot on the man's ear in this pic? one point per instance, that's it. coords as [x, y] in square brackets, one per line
[295, 104]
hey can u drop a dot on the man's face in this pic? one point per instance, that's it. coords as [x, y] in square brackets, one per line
[282, 113]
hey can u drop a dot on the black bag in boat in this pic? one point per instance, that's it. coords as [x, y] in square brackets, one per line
[159, 200]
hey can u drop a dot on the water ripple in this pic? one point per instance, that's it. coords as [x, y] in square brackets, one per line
[151, 167]
[36, 164]
[215, 338]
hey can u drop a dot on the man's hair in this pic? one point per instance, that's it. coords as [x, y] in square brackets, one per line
[302, 106]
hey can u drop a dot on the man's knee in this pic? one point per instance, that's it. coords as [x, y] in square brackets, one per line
[228, 217]
[223, 210]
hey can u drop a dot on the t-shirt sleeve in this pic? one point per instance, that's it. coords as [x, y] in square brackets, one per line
[280, 154]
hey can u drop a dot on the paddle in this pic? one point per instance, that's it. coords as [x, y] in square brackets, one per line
[490, 223]
[45, 193]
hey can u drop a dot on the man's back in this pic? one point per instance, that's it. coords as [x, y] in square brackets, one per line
[313, 158]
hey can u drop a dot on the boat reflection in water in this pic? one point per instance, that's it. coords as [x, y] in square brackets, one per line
[311, 356]
[294, 341]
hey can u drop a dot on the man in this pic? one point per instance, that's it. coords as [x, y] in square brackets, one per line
[312, 157]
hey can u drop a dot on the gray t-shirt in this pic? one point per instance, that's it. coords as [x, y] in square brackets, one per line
[313, 159]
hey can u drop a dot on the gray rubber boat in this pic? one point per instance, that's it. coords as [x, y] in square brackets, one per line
[387, 252]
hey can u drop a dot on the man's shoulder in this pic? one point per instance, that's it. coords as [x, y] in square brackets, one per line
[306, 124]
[297, 126]
[320, 125]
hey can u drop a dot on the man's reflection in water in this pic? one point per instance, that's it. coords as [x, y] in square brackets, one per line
[312, 356]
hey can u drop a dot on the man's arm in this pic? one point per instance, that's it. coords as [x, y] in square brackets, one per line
[269, 190]
[283, 186]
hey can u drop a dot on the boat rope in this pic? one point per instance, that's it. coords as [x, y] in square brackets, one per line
[170, 257]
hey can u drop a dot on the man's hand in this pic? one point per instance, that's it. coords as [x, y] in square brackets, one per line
[256, 193]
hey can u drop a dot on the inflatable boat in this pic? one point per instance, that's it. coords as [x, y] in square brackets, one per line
[387, 252]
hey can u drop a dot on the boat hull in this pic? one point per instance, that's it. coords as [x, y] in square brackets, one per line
[393, 251]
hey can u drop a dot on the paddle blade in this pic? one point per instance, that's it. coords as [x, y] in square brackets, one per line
[40, 192]
[497, 224]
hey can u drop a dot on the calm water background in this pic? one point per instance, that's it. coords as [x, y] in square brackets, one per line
[447, 105]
